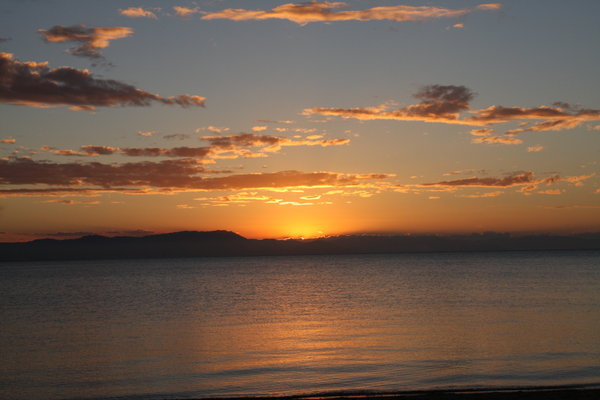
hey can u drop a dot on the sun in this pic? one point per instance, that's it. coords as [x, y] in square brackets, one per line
[303, 231]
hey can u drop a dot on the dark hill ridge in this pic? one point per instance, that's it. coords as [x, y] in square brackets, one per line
[225, 243]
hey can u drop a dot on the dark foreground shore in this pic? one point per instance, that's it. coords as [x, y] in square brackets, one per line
[562, 393]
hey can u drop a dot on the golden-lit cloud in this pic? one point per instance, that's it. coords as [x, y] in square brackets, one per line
[185, 12]
[325, 11]
[482, 195]
[138, 12]
[146, 133]
[35, 84]
[212, 129]
[535, 149]
[481, 132]
[8, 141]
[71, 202]
[259, 128]
[91, 39]
[551, 191]
[578, 180]
[269, 121]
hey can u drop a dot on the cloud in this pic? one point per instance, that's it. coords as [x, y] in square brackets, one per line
[551, 191]
[324, 11]
[185, 12]
[450, 104]
[573, 206]
[187, 152]
[497, 140]
[239, 144]
[8, 141]
[35, 84]
[138, 12]
[439, 103]
[578, 180]
[481, 132]
[212, 129]
[483, 195]
[176, 136]
[268, 121]
[525, 178]
[557, 117]
[59, 152]
[175, 174]
[99, 150]
[64, 192]
[91, 39]
[259, 128]
[70, 202]
[220, 147]
[535, 149]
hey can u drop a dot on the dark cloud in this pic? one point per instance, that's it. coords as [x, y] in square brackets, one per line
[92, 39]
[176, 136]
[23, 171]
[525, 178]
[445, 103]
[237, 145]
[439, 103]
[496, 114]
[35, 84]
[175, 174]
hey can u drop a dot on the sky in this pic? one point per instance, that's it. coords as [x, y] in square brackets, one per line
[280, 119]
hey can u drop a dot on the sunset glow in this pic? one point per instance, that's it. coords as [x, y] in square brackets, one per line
[275, 119]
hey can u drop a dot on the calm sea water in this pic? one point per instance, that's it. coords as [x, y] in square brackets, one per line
[214, 327]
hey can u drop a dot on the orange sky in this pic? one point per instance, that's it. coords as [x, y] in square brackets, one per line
[298, 119]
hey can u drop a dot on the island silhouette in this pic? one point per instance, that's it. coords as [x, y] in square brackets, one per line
[225, 243]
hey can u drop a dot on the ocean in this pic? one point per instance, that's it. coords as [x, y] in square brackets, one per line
[223, 327]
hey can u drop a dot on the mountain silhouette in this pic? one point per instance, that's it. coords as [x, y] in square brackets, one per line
[224, 243]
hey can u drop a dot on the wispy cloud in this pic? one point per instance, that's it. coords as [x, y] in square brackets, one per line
[325, 11]
[35, 84]
[497, 140]
[8, 141]
[535, 149]
[92, 39]
[526, 182]
[139, 12]
[186, 12]
[450, 104]
[525, 178]
[439, 103]
[242, 145]
[239, 144]
[212, 129]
